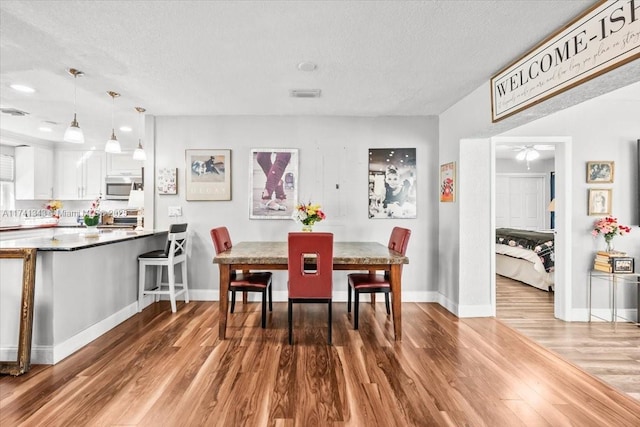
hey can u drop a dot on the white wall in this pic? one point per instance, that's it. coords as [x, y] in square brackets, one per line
[332, 150]
[600, 132]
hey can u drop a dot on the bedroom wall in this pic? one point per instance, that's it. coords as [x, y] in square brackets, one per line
[333, 151]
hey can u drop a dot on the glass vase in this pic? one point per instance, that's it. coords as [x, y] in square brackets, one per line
[609, 247]
[91, 231]
[307, 227]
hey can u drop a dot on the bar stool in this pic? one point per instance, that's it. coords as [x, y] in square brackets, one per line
[174, 253]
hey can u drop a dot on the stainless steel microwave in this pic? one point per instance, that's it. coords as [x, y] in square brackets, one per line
[119, 187]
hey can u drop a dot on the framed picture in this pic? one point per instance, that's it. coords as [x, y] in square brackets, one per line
[600, 201]
[273, 183]
[622, 265]
[208, 174]
[167, 181]
[600, 172]
[392, 183]
[448, 182]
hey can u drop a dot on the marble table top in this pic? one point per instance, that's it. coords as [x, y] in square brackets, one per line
[367, 253]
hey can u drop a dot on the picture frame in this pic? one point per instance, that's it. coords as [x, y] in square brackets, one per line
[208, 174]
[448, 182]
[273, 183]
[167, 181]
[392, 183]
[600, 172]
[600, 201]
[622, 265]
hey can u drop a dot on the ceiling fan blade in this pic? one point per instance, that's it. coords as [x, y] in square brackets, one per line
[544, 147]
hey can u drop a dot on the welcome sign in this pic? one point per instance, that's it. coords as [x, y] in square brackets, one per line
[603, 38]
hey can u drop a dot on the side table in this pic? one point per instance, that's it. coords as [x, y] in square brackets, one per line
[613, 279]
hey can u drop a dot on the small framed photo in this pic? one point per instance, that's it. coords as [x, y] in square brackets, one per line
[622, 265]
[167, 181]
[448, 182]
[208, 174]
[600, 201]
[600, 172]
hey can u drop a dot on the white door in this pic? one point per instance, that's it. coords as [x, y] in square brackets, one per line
[520, 201]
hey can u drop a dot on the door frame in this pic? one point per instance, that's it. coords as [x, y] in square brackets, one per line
[563, 234]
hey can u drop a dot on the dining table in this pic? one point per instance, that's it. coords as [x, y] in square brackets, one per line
[273, 255]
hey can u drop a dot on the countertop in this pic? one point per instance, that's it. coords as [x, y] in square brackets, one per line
[78, 226]
[61, 239]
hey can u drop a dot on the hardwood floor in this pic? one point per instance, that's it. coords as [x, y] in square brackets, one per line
[612, 355]
[164, 369]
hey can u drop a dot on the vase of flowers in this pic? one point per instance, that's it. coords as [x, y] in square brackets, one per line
[54, 207]
[308, 214]
[609, 228]
[92, 218]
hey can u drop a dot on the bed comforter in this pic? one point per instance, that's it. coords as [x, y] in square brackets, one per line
[541, 243]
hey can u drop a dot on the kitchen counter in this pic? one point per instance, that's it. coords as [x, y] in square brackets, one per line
[84, 287]
[53, 225]
[73, 238]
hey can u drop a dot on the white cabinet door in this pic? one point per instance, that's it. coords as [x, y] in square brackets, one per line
[123, 164]
[79, 174]
[34, 173]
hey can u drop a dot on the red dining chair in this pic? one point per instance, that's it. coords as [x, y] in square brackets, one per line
[243, 281]
[310, 282]
[368, 283]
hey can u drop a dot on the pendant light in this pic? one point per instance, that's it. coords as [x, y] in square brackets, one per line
[139, 153]
[73, 133]
[112, 146]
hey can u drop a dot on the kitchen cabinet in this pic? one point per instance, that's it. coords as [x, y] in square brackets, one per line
[79, 174]
[34, 173]
[123, 164]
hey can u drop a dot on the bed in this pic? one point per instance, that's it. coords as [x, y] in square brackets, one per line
[527, 256]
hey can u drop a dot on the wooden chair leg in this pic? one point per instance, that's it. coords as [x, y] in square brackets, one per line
[348, 298]
[264, 309]
[270, 299]
[290, 318]
[330, 311]
[233, 300]
[356, 308]
[386, 302]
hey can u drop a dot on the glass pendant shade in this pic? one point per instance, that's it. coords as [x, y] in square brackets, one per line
[112, 146]
[139, 153]
[73, 133]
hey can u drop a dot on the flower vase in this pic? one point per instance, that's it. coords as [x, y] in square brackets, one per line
[307, 227]
[609, 247]
[91, 231]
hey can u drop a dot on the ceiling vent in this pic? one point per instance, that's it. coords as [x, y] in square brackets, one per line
[13, 112]
[305, 93]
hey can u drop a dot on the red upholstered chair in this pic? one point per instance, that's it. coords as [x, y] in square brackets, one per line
[244, 282]
[367, 283]
[310, 282]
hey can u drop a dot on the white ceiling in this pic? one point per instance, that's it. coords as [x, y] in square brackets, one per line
[375, 58]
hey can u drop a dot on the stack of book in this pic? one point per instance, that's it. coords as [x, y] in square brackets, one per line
[604, 260]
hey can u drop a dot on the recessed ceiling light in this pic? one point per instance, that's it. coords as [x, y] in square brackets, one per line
[22, 88]
[307, 66]
[125, 129]
[305, 93]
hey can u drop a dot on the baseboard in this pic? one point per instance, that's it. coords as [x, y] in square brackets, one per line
[83, 338]
[40, 355]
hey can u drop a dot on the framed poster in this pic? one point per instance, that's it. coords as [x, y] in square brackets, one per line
[600, 172]
[208, 174]
[273, 183]
[448, 182]
[600, 201]
[167, 181]
[392, 183]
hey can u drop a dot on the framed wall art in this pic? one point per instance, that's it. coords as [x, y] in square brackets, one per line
[600, 201]
[273, 183]
[208, 174]
[448, 182]
[600, 172]
[392, 183]
[167, 181]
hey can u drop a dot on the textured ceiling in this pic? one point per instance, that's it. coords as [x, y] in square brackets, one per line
[375, 58]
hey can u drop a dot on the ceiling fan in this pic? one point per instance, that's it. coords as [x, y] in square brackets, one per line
[531, 152]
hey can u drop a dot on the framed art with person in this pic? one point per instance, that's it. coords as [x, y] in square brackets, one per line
[392, 183]
[273, 183]
[208, 174]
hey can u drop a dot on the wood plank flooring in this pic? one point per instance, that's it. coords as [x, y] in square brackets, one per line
[164, 369]
[612, 355]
